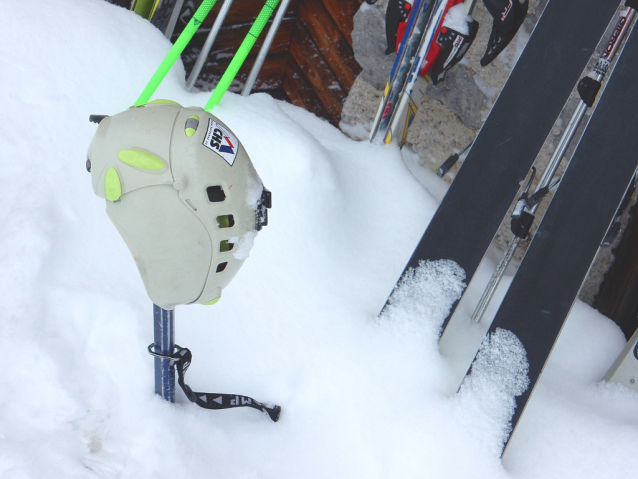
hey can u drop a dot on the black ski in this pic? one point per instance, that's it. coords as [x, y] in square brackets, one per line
[570, 234]
[548, 69]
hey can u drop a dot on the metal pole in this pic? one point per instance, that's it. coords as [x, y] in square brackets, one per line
[495, 280]
[212, 35]
[243, 51]
[170, 28]
[263, 51]
[164, 335]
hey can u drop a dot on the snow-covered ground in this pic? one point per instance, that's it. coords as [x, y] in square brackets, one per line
[362, 396]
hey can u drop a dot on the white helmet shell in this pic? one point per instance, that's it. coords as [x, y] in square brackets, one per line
[184, 195]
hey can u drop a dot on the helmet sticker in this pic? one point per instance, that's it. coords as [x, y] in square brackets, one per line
[221, 141]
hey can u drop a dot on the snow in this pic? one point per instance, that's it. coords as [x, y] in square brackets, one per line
[363, 396]
[457, 19]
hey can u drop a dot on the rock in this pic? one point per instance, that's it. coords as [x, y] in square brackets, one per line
[461, 94]
[369, 44]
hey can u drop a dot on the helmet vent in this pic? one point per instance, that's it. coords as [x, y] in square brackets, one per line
[225, 246]
[226, 221]
[215, 194]
[221, 267]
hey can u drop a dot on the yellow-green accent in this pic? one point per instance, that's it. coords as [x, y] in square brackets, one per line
[112, 184]
[194, 117]
[167, 102]
[225, 246]
[141, 159]
[244, 49]
[223, 221]
[176, 50]
[156, 102]
[212, 302]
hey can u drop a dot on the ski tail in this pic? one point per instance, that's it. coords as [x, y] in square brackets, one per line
[402, 111]
[413, 30]
[446, 15]
[508, 16]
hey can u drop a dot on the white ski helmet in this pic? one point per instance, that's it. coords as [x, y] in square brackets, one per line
[184, 195]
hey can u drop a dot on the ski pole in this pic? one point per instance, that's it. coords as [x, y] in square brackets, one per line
[170, 27]
[588, 88]
[210, 39]
[451, 161]
[263, 51]
[164, 344]
[242, 53]
[175, 51]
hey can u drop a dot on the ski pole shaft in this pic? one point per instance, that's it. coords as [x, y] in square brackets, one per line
[561, 148]
[164, 344]
[599, 71]
[544, 182]
[495, 280]
[263, 51]
[210, 39]
[175, 51]
[242, 53]
[170, 27]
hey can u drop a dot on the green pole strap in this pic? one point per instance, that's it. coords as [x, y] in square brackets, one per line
[176, 51]
[242, 53]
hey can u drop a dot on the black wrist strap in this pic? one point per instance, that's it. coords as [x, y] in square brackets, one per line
[181, 358]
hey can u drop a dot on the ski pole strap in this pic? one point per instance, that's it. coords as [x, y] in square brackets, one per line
[182, 358]
[176, 51]
[242, 53]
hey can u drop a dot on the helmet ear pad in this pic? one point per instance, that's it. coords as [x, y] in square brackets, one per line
[183, 193]
[169, 278]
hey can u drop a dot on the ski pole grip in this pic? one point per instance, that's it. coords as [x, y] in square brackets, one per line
[447, 165]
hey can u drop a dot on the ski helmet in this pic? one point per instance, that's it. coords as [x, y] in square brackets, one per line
[183, 193]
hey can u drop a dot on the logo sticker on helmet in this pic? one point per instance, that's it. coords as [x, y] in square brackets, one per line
[221, 141]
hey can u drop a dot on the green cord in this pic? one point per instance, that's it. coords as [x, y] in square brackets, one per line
[242, 53]
[176, 51]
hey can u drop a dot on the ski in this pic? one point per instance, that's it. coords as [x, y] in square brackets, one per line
[406, 51]
[523, 214]
[503, 152]
[566, 243]
[430, 48]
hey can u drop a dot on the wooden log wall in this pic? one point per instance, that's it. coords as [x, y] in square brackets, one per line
[310, 63]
